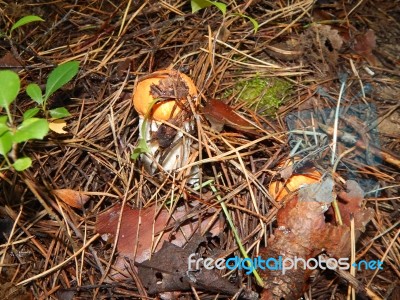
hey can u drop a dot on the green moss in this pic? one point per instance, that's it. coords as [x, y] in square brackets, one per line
[264, 95]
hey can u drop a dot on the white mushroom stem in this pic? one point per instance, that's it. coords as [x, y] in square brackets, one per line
[178, 154]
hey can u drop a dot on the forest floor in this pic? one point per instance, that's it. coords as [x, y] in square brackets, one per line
[286, 91]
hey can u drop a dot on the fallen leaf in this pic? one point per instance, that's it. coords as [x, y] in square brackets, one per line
[168, 270]
[322, 45]
[57, 126]
[364, 44]
[391, 125]
[73, 198]
[303, 232]
[140, 228]
[136, 230]
[219, 114]
[286, 172]
[8, 61]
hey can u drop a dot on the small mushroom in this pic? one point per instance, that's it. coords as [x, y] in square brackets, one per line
[279, 189]
[162, 102]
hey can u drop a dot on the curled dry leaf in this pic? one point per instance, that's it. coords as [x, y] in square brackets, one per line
[303, 232]
[73, 198]
[219, 114]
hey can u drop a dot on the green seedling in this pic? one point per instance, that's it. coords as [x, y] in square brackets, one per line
[21, 22]
[25, 20]
[31, 127]
[57, 78]
[142, 146]
[200, 4]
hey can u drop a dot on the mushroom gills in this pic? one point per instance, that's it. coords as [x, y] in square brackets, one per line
[170, 158]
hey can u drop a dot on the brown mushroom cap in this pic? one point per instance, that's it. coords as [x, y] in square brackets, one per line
[165, 109]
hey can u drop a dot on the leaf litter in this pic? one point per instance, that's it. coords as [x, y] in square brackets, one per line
[303, 232]
[307, 43]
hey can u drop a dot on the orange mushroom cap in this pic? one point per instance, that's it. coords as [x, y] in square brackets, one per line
[165, 109]
[279, 189]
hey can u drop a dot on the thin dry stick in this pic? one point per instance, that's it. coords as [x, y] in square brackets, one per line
[351, 290]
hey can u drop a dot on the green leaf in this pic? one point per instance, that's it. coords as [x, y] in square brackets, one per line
[3, 120]
[30, 113]
[33, 128]
[59, 112]
[25, 20]
[200, 4]
[253, 21]
[5, 140]
[34, 91]
[221, 6]
[9, 87]
[22, 163]
[140, 149]
[3, 129]
[60, 76]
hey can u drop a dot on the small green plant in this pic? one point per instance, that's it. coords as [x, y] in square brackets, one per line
[142, 146]
[21, 22]
[25, 20]
[200, 4]
[31, 127]
[57, 78]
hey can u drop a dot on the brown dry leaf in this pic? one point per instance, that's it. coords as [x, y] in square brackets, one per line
[73, 198]
[302, 232]
[165, 272]
[219, 114]
[131, 231]
[57, 126]
[9, 61]
[364, 44]
[286, 172]
[140, 228]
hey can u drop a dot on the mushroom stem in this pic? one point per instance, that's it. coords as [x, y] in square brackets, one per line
[178, 153]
